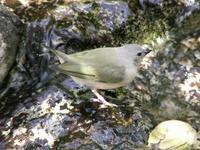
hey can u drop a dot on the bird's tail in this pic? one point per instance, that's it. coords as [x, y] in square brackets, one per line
[61, 56]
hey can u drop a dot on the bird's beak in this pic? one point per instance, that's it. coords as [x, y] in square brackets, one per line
[147, 50]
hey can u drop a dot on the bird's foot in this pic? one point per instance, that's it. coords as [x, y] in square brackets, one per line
[103, 102]
[100, 99]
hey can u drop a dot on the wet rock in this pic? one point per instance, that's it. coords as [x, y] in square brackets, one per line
[9, 40]
[40, 121]
[14, 3]
[155, 2]
[68, 125]
[57, 114]
[173, 80]
[79, 26]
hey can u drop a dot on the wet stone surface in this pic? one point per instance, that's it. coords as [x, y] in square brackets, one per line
[53, 120]
[47, 110]
[11, 28]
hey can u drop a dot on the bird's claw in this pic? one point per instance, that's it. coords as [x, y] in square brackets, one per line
[104, 103]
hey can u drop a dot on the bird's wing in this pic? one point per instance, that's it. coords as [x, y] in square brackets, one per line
[98, 55]
[95, 72]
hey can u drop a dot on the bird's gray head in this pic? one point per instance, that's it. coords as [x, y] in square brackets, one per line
[136, 52]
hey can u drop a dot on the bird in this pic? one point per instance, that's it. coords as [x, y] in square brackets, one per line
[102, 68]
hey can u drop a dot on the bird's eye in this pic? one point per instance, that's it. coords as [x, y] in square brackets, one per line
[139, 54]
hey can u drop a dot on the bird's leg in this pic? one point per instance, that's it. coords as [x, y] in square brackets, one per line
[100, 99]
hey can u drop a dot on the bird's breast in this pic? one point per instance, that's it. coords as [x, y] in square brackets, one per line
[130, 74]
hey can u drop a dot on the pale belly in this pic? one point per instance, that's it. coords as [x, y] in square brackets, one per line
[130, 74]
[98, 85]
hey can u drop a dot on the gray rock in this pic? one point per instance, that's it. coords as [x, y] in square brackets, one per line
[54, 117]
[9, 39]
